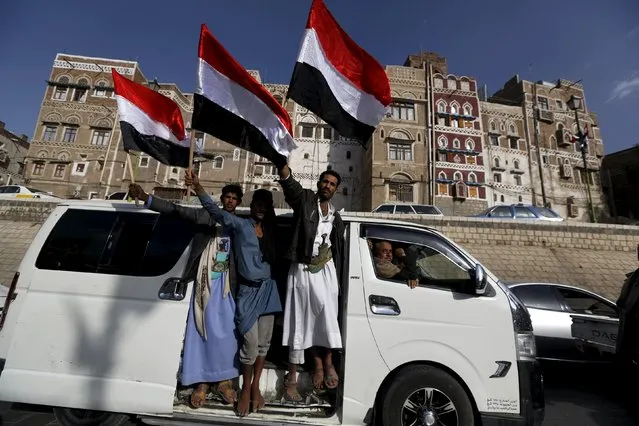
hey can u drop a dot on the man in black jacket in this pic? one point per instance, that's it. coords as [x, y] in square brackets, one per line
[311, 310]
[210, 344]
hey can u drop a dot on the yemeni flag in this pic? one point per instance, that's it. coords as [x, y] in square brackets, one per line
[338, 80]
[151, 123]
[234, 107]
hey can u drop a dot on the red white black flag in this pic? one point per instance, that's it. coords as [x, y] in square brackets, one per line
[337, 79]
[234, 107]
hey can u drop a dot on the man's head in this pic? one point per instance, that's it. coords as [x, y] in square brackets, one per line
[384, 250]
[327, 184]
[231, 197]
[261, 204]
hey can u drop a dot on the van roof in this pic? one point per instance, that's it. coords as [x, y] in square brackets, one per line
[346, 216]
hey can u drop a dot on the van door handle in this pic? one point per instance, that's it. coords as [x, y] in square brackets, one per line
[173, 289]
[384, 305]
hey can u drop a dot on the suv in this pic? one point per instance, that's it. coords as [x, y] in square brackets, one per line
[521, 211]
[408, 209]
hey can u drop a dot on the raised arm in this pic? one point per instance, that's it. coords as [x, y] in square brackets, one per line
[198, 216]
[218, 214]
[293, 192]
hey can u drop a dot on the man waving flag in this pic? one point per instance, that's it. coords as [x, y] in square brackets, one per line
[150, 122]
[234, 107]
[338, 80]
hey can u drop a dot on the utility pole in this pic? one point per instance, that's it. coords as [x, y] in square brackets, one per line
[536, 133]
[575, 104]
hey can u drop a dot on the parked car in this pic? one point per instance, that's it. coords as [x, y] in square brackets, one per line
[100, 306]
[521, 211]
[408, 209]
[23, 192]
[551, 306]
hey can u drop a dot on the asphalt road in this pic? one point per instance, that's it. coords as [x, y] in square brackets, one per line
[575, 396]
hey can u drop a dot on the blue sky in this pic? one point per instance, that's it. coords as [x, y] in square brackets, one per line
[592, 40]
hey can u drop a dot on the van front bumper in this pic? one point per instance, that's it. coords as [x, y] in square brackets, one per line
[531, 398]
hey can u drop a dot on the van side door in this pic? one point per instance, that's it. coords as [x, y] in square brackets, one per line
[101, 325]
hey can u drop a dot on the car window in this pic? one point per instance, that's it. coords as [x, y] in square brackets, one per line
[537, 296]
[12, 190]
[3, 189]
[546, 212]
[402, 208]
[583, 303]
[421, 209]
[524, 212]
[501, 211]
[385, 209]
[432, 259]
[115, 243]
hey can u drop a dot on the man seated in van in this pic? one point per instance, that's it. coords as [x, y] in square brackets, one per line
[210, 343]
[257, 296]
[396, 263]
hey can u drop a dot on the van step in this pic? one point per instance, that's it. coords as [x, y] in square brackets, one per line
[195, 419]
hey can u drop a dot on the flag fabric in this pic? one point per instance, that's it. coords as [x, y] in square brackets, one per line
[337, 79]
[151, 123]
[233, 106]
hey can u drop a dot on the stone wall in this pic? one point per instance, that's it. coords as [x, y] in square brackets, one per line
[596, 257]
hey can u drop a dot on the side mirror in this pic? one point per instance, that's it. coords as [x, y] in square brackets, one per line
[481, 279]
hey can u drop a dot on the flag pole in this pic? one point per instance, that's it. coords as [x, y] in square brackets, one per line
[191, 150]
[132, 171]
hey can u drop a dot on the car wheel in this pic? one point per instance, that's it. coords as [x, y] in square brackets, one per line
[426, 396]
[77, 417]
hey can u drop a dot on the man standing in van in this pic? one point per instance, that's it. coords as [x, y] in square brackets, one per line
[312, 293]
[210, 342]
[257, 296]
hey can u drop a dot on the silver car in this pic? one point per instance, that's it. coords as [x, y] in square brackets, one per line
[550, 306]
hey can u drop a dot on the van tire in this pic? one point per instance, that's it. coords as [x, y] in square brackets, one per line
[415, 378]
[72, 417]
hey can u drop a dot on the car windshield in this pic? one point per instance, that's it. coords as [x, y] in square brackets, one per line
[36, 191]
[9, 189]
[421, 209]
[546, 212]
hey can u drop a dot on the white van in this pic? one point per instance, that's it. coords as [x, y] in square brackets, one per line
[94, 321]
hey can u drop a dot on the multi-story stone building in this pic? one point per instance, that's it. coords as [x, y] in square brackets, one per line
[556, 168]
[77, 149]
[620, 180]
[13, 151]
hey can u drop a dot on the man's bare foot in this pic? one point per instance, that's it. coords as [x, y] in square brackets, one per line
[258, 399]
[198, 396]
[244, 403]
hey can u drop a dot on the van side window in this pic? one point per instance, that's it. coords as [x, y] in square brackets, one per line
[137, 244]
[416, 253]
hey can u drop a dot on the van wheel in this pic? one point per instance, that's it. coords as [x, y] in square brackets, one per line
[426, 396]
[77, 417]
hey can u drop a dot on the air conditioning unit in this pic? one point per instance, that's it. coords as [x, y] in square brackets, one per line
[573, 210]
[566, 170]
[545, 115]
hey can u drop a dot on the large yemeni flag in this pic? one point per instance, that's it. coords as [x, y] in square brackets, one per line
[234, 107]
[150, 122]
[338, 80]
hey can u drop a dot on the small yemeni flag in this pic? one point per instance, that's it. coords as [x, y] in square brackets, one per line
[234, 107]
[338, 80]
[150, 122]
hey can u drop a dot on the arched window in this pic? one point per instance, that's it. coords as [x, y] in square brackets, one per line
[456, 144]
[80, 93]
[454, 108]
[60, 92]
[441, 106]
[442, 176]
[400, 188]
[496, 162]
[442, 142]
[512, 129]
[472, 177]
[100, 89]
[493, 126]
[468, 110]
[236, 154]
[218, 162]
[516, 164]
[470, 144]
[458, 176]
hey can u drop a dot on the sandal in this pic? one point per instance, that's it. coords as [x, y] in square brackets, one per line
[291, 393]
[198, 396]
[226, 392]
[331, 377]
[318, 379]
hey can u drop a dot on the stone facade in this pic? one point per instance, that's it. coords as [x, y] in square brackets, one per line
[507, 154]
[551, 126]
[395, 166]
[13, 151]
[592, 256]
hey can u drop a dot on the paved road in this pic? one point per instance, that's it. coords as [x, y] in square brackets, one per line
[574, 397]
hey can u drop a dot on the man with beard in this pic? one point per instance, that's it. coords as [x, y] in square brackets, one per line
[210, 343]
[311, 309]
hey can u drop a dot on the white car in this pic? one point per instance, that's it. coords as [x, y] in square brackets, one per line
[96, 322]
[408, 209]
[23, 192]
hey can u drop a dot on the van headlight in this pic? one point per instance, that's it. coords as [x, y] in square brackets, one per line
[526, 348]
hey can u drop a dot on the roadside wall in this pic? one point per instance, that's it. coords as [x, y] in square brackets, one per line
[592, 256]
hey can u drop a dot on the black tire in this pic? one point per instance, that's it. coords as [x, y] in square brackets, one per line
[76, 417]
[410, 383]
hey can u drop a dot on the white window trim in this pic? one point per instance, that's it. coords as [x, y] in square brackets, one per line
[237, 154]
[215, 161]
[412, 150]
[75, 138]
[145, 157]
[53, 176]
[74, 171]
[461, 176]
